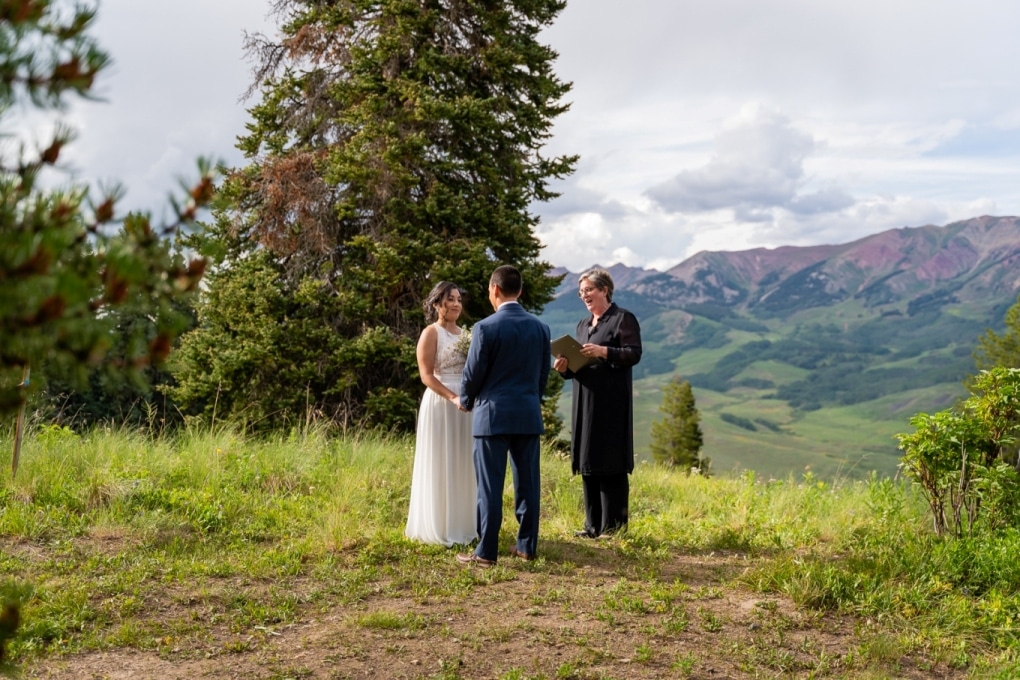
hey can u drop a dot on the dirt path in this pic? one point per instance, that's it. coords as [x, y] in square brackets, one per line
[563, 619]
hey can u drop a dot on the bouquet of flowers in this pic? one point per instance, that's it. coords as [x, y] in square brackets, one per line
[463, 341]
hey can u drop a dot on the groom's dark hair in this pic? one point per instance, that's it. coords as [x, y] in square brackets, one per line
[508, 279]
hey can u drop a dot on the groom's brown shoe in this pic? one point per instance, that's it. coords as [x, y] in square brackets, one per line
[471, 558]
[514, 552]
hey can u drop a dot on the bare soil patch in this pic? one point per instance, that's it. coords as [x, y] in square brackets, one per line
[578, 612]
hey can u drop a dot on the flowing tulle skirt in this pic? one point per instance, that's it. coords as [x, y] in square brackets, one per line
[444, 491]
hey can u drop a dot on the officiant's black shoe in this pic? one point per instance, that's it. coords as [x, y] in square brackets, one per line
[584, 533]
[471, 558]
[514, 552]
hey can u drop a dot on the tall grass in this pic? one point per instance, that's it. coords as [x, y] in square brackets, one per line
[177, 509]
[310, 489]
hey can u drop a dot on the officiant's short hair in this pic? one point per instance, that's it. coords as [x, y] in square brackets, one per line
[601, 279]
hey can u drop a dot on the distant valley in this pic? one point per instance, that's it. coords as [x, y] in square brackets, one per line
[810, 359]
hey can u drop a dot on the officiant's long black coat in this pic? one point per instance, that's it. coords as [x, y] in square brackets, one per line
[602, 414]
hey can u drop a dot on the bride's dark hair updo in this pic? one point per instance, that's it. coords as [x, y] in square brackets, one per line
[436, 297]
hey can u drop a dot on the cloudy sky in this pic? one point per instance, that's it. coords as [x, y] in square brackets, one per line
[701, 124]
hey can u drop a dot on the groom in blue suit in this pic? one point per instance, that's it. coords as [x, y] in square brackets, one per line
[504, 379]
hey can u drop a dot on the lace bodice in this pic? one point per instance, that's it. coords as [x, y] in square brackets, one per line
[449, 361]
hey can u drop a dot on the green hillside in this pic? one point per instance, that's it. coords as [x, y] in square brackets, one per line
[824, 389]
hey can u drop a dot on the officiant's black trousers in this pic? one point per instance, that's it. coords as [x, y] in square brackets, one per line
[605, 503]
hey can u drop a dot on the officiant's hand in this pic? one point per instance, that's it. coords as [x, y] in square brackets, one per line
[597, 351]
[560, 364]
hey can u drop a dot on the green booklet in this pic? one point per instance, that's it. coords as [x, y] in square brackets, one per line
[566, 345]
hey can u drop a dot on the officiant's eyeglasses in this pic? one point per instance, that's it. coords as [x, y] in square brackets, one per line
[584, 291]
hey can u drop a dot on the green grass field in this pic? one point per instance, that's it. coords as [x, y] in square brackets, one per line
[284, 557]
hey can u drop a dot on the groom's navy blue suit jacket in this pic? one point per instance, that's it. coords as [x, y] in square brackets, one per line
[506, 372]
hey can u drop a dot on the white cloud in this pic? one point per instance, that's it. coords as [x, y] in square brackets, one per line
[171, 95]
[757, 165]
[575, 197]
[819, 202]
[576, 241]
[581, 240]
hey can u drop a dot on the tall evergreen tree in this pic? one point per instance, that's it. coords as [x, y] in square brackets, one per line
[396, 143]
[677, 439]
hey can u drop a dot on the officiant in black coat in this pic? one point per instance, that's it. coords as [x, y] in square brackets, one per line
[602, 415]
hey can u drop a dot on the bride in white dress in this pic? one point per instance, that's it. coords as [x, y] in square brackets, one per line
[444, 491]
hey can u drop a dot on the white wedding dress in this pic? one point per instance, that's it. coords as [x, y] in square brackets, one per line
[444, 491]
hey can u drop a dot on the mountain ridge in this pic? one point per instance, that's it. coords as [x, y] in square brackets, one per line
[882, 268]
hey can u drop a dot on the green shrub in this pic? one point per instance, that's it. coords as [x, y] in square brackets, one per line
[960, 460]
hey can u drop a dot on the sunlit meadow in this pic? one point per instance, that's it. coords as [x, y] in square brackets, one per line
[93, 524]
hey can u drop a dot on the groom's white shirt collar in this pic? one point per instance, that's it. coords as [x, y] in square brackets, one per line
[507, 302]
